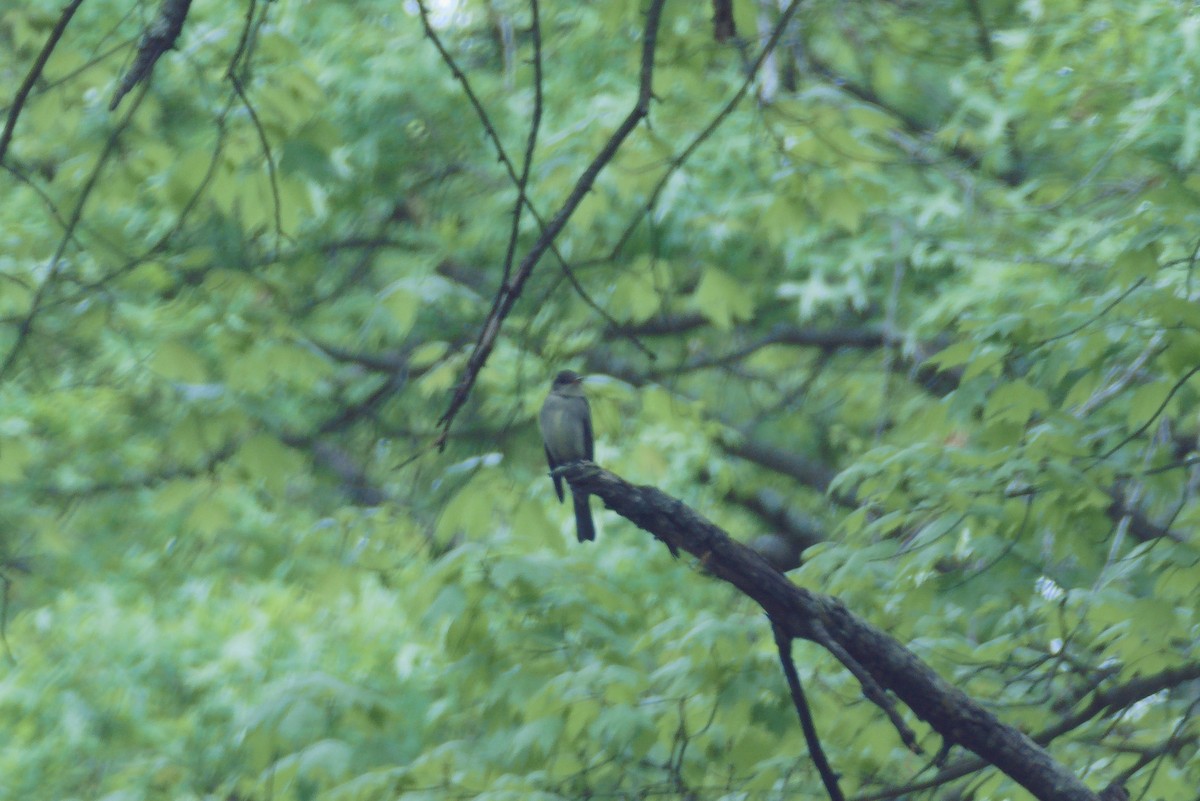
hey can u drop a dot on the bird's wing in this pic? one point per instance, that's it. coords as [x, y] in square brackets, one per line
[588, 445]
[556, 479]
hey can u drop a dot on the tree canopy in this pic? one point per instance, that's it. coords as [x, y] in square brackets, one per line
[903, 294]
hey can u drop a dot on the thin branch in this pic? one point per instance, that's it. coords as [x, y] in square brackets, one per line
[1149, 422]
[530, 144]
[1098, 315]
[909, 123]
[828, 777]
[512, 291]
[871, 688]
[5, 588]
[244, 38]
[56, 214]
[266, 147]
[826, 339]
[1102, 395]
[771, 507]
[145, 480]
[891, 314]
[1111, 701]
[52, 269]
[1121, 697]
[809, 472]
[503, 157]
[34, 73]
[524, 202]
[666, 325]
[982, 36]
[678, 161]
[160, 245]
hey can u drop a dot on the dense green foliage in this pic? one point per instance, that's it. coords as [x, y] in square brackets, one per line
[931, 283]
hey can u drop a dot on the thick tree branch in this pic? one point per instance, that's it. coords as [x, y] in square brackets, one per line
[809, 472]
[1111, 701]
[724, 27]
[158, 39]
[801, 613]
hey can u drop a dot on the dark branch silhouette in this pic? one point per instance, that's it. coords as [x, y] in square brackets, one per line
[34, 73]
[53, 271]
[784, 644]
[158, 39]
[880, 662]
[678, 161]
[509, 293]
[519, 181]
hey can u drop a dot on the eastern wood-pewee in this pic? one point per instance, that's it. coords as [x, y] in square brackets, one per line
[566, 424]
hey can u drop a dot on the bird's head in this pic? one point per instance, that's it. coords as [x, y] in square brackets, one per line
[568, 382]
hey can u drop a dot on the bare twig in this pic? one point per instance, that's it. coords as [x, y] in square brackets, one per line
[1097, 316]
[503, 157]
[708, 130]
[266, 147]
[1150, 421]
[34, 73]
[52, 269]
[1127, 375]
[512, 291]
[530, 143]
[828, 777]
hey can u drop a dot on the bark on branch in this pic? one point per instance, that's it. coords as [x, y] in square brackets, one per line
[157, 40]
[876, 658]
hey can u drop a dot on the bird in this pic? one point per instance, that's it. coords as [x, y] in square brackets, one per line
[566, 424]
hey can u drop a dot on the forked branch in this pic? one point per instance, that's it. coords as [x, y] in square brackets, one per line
[880, 662]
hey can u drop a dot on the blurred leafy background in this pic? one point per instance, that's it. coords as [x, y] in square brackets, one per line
[922, 304]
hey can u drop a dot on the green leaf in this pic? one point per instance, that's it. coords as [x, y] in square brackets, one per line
[842, 208]
[402, 307]
[268, 460]
[427, 354]
[635, 297]
[1133, 265]
[1015, 402]
[952, 356]
[15, 456]
[177, 361]
[987, 360]
[1145, 402]
[722, 300]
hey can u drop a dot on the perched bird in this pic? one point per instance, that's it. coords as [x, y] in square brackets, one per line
[566, 424]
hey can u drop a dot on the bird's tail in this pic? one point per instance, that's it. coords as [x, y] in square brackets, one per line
[584, 528]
